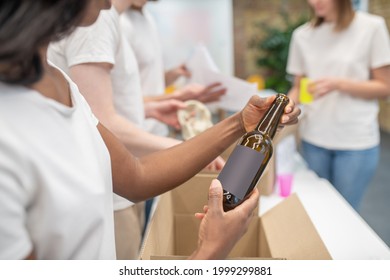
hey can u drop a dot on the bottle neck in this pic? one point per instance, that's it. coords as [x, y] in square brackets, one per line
[269, 123]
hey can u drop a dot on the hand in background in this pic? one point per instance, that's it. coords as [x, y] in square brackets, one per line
[216, 165]
[204, 94]
[164, 111]
[322, 87]
[172, 75]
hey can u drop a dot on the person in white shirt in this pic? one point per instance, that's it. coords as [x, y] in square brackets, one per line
[100, 62]
[346, 56]
[140, 31]
[59, 165]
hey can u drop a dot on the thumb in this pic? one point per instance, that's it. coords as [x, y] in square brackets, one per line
[215, 196]
[185, 71]
[178, 104]
[262, 102]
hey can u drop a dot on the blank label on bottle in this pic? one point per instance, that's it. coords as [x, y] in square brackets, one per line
[240, 170]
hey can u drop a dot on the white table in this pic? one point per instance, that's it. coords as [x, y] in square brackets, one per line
[343, 230]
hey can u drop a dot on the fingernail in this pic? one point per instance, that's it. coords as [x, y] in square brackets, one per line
[285, 119]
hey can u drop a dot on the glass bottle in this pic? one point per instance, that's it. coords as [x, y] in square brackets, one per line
[250, 157]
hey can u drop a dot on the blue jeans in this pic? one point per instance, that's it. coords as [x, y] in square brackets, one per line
[349, 171]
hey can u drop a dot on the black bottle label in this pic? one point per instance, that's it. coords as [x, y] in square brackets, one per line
[240, 169]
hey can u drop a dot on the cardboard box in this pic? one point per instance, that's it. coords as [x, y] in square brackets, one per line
[284, 232]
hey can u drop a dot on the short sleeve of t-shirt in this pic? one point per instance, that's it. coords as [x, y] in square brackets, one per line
[380, 44]
[295, 61]
[79, 98]
[87, 45]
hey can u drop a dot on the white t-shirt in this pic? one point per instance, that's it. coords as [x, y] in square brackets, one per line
[103, 42]
[141, 33]
[339, 120]
[55, 179]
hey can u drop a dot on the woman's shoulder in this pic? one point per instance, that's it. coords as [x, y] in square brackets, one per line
[367, 19]
[303, 30]
[105, 28]
[8, 91]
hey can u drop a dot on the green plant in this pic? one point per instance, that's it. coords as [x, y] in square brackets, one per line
[272, 50]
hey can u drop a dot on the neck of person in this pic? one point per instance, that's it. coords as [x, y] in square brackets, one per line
[331, 17]
[52, 83]
[43, 55]
[121, 5]
[137, 9]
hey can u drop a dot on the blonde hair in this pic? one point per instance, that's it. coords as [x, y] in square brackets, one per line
[344, 15]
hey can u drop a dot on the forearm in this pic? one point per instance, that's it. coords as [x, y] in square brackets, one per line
[377, 87]
[371, 89]
[138, 141]
[159, 172]
[293, 94]
[160, 97]
[176, 165]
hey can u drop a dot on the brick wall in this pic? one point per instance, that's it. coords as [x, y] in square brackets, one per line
[382, 8]
[248, 13]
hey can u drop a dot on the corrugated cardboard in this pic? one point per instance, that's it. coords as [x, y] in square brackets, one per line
[284, 232]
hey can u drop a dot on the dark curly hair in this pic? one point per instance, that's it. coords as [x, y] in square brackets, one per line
[27, 25]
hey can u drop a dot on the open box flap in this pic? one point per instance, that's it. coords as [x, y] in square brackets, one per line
[191, 196]
[186, 237]
[160, 231]
[289, 232]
